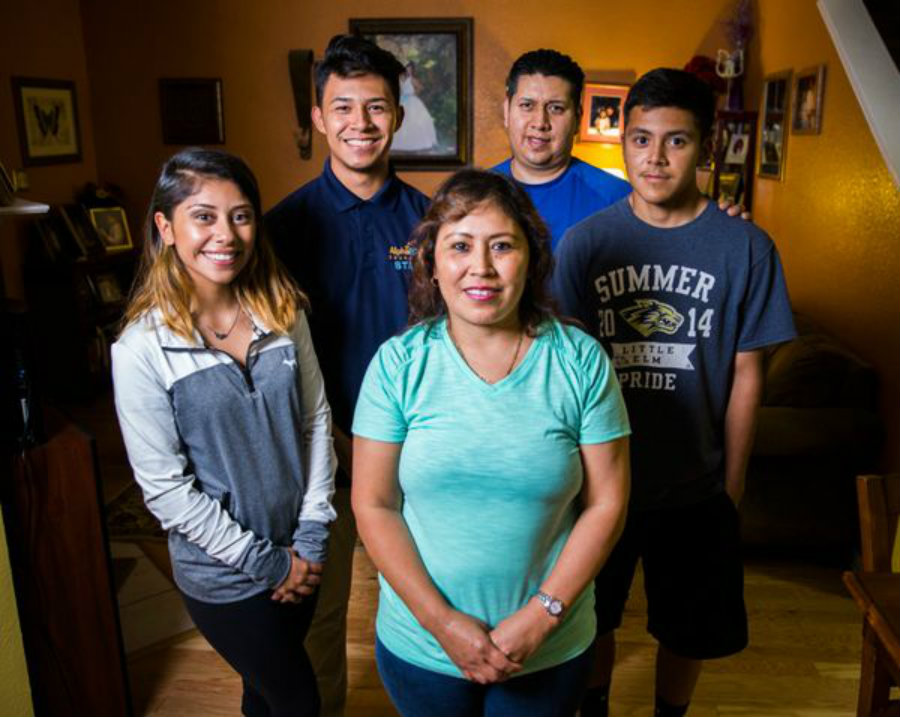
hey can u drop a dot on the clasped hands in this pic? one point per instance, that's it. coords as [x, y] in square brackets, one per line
[302, 580]
[485, 655]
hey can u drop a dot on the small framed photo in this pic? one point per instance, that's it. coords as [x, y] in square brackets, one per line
[773, 125]
[809, 92]
[47, 116]
[112, 228]
[191, 111]
[602, 108]
[730, 186]
[435, 88]
[108, 289]
[737, 148]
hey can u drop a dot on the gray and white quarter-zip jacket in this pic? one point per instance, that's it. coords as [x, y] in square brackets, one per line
[236, 462]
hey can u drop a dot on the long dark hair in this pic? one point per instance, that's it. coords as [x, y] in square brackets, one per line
[459, 196]
[162, 281]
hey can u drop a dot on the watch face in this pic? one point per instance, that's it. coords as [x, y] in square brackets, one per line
[555, 608]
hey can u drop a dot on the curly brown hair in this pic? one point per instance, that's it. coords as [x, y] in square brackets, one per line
[457, 197]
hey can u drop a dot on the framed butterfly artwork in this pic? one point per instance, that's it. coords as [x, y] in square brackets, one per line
[47, 114]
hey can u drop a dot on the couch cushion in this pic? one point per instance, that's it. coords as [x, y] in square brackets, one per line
[845, 434]
[809, 372]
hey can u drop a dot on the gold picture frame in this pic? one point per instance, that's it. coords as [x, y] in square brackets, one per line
[112, 228]
[730, 187]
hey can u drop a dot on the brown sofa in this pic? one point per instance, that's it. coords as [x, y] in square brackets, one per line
[818, 429]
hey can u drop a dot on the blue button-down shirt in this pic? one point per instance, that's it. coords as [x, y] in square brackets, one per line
[352, 257]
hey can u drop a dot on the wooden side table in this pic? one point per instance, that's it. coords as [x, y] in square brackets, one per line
[878, 597]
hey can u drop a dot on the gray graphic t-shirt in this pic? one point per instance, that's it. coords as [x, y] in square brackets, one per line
[672, 307]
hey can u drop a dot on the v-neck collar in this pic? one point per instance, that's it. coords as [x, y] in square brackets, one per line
[514, 377]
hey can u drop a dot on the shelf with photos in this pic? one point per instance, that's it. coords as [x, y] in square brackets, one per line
[728, 171]
[78, 272]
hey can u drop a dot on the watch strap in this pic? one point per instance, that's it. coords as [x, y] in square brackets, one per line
[554, 606]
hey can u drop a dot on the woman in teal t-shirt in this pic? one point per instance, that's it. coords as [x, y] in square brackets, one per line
[490, 474]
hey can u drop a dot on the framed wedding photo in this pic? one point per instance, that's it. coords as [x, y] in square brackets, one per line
[602, 108]
[47, 118]
[435, 88]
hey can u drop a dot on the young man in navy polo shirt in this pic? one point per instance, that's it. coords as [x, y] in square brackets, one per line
[345, 238]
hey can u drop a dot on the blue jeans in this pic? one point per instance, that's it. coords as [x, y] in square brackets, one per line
[416, 692]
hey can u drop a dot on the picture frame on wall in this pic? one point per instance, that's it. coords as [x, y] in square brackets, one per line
[435, 88]
[773, 125]
[191, 110]
[47, 119]
[108, 289]
[602, 108]
[112, 228]
[809, 93]
[738, 145]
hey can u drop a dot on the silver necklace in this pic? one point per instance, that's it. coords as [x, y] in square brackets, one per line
[222, 335]
[472, 368]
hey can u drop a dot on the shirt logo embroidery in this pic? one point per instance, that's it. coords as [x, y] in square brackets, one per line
[401, 256]
[290, 362]
[647, 316]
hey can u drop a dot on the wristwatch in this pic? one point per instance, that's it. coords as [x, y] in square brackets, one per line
[554, 606]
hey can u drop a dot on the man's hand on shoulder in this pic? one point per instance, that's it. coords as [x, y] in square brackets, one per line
[734, 210]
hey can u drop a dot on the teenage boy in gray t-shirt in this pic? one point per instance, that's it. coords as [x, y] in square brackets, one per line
[683, 298]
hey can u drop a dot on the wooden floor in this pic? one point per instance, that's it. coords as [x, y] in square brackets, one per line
[803, 657]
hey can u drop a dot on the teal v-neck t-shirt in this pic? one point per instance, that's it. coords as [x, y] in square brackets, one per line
[490, 475]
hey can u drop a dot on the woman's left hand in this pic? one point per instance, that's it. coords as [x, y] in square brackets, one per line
[302, 580]
[522, 633]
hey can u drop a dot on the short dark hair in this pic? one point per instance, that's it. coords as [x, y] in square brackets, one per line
[353, 55]
[549, 63]
[459, 196]
[665, 87]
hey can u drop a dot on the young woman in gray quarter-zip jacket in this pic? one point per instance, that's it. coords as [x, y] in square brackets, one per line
[223, 411]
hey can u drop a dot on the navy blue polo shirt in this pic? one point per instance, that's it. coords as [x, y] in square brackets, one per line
[352, 257]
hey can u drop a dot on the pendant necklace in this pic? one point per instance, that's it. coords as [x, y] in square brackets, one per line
[222, 335]
[472, 368]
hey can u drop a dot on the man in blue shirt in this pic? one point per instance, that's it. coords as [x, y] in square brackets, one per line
[345, 238]
[541, 116]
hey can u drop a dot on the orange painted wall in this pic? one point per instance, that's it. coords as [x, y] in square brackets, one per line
[836, 215]
[131, 44]
[41, 40]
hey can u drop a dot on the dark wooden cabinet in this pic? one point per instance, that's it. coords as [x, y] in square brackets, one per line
[61, 570]
[76, 306]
